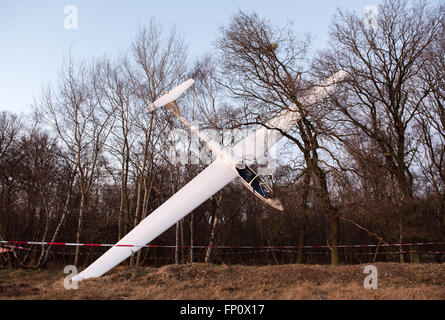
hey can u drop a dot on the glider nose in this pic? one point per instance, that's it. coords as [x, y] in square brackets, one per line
[276, 203]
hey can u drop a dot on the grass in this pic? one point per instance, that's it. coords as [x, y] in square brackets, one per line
[207, 281]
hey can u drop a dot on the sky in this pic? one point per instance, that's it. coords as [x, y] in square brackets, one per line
[34, 40]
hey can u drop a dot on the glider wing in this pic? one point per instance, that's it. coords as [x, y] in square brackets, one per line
[255, 145]
[202, 187]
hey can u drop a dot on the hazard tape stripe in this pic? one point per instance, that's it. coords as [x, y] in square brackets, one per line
[220, 247]
[260, 251]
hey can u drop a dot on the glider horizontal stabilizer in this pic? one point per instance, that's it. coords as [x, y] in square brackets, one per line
[171, 95]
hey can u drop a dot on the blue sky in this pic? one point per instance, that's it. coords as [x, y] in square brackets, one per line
[33, 40]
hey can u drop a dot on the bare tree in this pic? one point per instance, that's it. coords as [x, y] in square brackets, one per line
[77, 112]
[383, 94]
[158, 64]
[11, 128]
[265, 66]
[117, 91]
[43, 166]
[431, 119]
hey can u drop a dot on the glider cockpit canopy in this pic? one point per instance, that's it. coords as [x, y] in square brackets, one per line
[257, 183]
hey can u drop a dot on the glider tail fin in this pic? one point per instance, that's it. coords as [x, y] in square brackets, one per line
[173, 107]
[169, 101]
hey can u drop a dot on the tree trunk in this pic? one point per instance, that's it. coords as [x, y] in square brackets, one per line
[301, 229]
[333, 238]
[414, 254]
[79, 227]
[123, 195]
[402, 259]
[59, 225]
[177, 244]
[181, 225]
[217, 201]
[332, 214]
[42, 253]
[442, 210]
[191, 239]
[136, 213]
[303, 208]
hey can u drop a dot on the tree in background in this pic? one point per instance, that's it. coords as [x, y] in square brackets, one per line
[76, 110]
[264, 66]
[384, 93]
[431, 119]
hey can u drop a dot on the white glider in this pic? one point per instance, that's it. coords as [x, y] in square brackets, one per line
[227, 166]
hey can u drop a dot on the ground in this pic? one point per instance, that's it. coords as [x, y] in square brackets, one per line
[208, 282]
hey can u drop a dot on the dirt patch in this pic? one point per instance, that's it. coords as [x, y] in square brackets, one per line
[206, 281]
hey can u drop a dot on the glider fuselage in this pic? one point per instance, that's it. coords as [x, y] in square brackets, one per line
[257, 185]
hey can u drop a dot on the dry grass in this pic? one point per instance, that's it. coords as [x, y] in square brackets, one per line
[204, 281]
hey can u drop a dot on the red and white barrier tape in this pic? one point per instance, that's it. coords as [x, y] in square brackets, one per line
[218, 247]
[256, 251]
[9, 248]
[359, 253]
